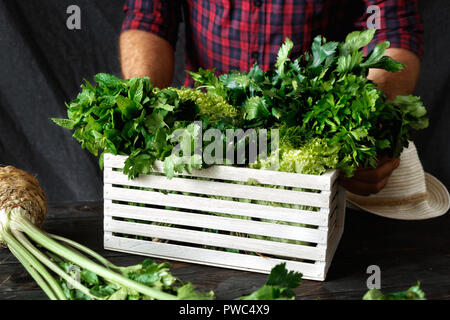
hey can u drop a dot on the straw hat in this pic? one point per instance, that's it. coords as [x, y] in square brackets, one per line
[410, 193]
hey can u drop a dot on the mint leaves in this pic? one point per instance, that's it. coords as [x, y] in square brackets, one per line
[130, 117]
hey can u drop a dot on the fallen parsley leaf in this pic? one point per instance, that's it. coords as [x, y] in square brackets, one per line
[279, 285]
[413, 293]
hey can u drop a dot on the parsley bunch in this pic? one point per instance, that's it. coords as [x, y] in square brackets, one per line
[325, 95]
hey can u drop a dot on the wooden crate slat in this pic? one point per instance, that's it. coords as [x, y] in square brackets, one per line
[216, 205]
[322, 182]
[341, 206]
[222, 189]
[337, 228]
[332, 220]
[218, 223]
[212, 239]
[210, 257]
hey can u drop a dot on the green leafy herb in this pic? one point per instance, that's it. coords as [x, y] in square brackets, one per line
[340, 118]
[279, 285]
[130, 117]
[413, 293]
[326, 95]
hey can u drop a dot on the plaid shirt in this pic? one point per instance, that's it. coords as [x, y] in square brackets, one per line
[234, 34]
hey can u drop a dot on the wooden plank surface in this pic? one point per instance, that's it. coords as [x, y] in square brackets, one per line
[212, 188]
[405, 251]
[322, 182]
[220, 223]
[216, 240]
[217, 205]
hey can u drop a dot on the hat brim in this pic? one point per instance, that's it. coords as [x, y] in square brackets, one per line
[436, 204]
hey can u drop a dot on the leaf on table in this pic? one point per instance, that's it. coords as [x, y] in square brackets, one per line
[279, 285]
[188, 292]
[413, 293]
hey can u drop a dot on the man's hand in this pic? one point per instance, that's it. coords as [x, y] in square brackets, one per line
[368, 181]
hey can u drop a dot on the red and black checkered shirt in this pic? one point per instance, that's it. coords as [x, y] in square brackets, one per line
[234, 34]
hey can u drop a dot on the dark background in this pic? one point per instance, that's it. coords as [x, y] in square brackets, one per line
[42, 65]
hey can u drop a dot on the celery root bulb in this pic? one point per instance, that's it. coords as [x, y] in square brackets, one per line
[18, 188]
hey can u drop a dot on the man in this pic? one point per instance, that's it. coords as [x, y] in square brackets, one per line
[234, 34]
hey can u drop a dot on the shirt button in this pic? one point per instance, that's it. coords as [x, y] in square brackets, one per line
[257, 3]
[255, 54]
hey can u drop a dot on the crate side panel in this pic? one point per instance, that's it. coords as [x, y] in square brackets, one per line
[337, 228]
[329, 219]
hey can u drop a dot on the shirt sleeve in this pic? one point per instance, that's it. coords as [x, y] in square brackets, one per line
[399, 23]
[161, 17]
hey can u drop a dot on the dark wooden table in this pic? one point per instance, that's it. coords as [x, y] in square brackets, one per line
[405, 251]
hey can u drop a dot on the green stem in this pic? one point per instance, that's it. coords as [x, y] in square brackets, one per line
[92, 253]
[84, 249]
[23, 224]
[27, 256]
[51, 265]
[34, 274]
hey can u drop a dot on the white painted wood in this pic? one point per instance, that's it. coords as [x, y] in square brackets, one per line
[332, 218]
[332, 245]
[333, 208]
[241, 217]
[222, 189]
[106, 203]
[341, 205]
[337, 230]
[218, 240]
[214, 239]
[218, 223]
[322, 182]
[209, 257]
[217, 205]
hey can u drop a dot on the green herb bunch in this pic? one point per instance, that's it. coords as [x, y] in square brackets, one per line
[325, 95]
[329, 115]
[130, 117]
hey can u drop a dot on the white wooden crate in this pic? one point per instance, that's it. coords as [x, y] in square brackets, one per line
[181, 219]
